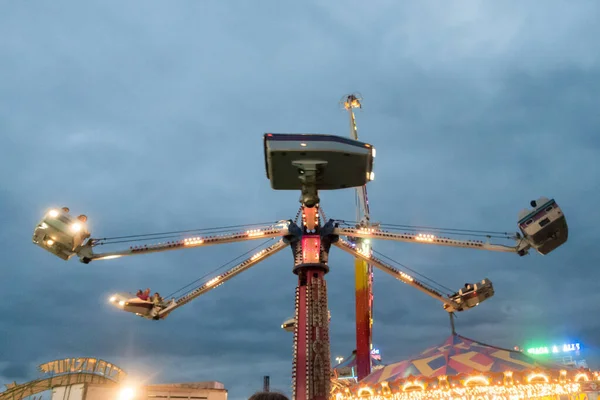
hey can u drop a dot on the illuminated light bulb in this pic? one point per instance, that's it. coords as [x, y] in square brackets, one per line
[408, 385]
[112, 299]
[121, 303]
[53, 213]
[406, 276]
[193, 241]
[49, 242]
[366, 230]
[500, 392]
[424, 237]
[477, 380]
[534, 376]
[303, 144]
[76, 227]
[581, 377]
[213, 281]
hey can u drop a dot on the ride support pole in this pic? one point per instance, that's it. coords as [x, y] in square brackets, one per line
[312, 361]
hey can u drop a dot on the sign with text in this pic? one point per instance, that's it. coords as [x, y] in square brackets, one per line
[555, 349]
[86, 365]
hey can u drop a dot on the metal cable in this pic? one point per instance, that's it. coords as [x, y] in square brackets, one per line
[221, 228]
[439, 285]
[217, 269]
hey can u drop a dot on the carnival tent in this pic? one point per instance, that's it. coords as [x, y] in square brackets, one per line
[350, 362]
[455, 356]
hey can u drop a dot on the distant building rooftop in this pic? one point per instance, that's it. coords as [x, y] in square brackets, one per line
[214, 385]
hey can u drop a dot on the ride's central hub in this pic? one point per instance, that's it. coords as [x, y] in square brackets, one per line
[310, 172]
[310, 244]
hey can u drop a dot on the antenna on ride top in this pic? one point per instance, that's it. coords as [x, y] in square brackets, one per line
[353, 100]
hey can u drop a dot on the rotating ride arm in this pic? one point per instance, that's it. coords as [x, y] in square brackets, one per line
[449, 304]
[86, 254]
[227, 275]
[161, 311]
[65, 237]
[374, 233]
[543, 228]
[468, 297]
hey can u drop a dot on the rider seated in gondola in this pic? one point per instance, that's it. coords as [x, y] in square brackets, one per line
[145, 295]
[156, 299]
[466, 289]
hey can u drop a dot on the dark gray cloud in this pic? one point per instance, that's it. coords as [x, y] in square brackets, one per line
[148, 118]
[15, 371]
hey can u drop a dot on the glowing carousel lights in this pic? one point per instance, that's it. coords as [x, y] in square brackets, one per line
[476, 380]
[486, 392]
[500, 386]
[582, 377]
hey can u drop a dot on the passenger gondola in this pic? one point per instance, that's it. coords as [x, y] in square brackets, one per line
[471, 295]
[130, 303]
[544, 226]
[60, 233]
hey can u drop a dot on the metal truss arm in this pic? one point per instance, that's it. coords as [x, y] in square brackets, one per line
[86, 253]
[401, 276]
[520, 247]
[227, 275]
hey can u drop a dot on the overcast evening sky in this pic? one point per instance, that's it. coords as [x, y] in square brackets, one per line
[148, 117]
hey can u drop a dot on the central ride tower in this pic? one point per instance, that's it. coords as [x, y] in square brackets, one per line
[310, 163]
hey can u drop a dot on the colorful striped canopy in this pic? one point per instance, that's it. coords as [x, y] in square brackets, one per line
[347, 368]
[350, 362]
[458, 355]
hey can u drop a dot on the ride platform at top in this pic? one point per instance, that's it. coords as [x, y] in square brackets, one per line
[339, 162]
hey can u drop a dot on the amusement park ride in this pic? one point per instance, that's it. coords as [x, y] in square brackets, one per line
[309, 163]
[363, 272]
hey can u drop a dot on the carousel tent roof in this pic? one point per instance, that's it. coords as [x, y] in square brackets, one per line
[458, 355]
[350, 362]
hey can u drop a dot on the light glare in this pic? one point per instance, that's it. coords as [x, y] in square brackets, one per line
[126, 394]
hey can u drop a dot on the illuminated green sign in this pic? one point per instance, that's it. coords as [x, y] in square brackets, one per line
[565, 348]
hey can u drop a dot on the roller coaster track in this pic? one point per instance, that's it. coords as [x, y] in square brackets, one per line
[19, 392]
